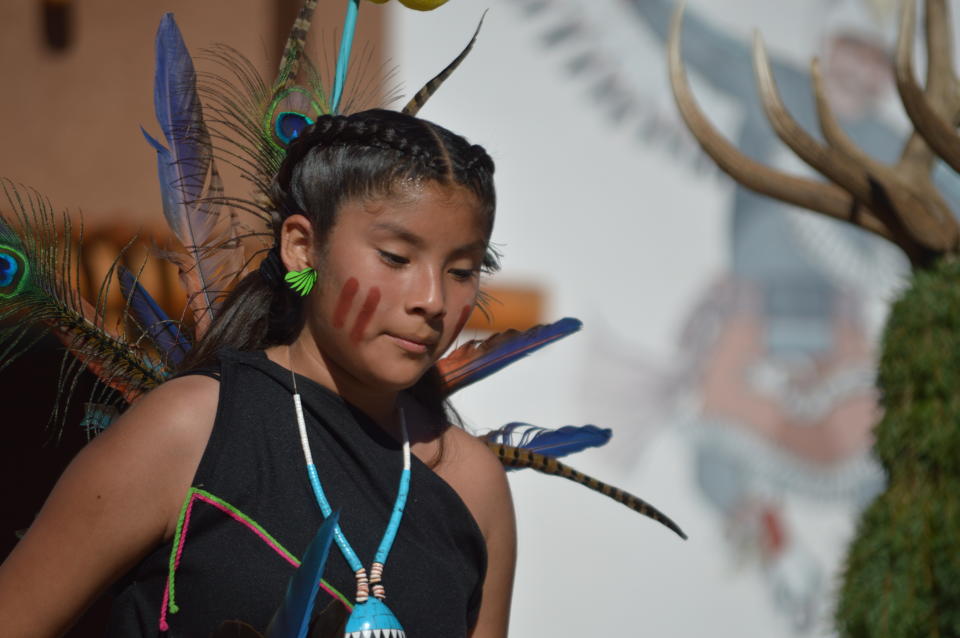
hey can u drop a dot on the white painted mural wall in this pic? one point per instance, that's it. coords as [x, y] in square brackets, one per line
[626, 238]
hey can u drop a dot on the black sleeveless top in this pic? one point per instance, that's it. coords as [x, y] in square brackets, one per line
[251, 514]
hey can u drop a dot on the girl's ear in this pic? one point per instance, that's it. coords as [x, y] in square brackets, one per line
[297, 242]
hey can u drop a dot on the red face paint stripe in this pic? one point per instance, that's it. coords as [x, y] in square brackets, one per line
[345, 302]
[366, 313]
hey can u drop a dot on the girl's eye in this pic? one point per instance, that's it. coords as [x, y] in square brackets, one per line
[392, 260]
[464, 274]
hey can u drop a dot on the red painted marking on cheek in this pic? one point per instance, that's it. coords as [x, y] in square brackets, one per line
[366, 313]
[462, 321]
[345, 302]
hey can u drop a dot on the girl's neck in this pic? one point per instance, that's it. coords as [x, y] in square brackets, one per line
[307, 361]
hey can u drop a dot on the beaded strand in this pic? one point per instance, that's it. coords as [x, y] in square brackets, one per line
[376, 568]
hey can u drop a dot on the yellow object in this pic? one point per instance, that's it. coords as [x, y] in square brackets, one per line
[419, 5]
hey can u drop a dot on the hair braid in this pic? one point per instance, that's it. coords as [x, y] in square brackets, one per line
[478, 160]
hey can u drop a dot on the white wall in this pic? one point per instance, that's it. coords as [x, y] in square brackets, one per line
[624, 237]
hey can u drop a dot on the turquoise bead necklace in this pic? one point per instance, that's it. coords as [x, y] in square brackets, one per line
[369, 614]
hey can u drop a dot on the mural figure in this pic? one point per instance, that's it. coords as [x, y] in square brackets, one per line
[781, 353]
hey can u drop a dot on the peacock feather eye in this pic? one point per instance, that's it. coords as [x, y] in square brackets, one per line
[13, 271]
[289, 125]
[290, 113]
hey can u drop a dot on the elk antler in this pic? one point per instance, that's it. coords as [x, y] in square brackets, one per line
[897, 202]
[807, 193]
[881, 188]
[936, 131]
[830, 162]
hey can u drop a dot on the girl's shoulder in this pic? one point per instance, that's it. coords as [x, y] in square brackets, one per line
[119, 498]
[468, 454]
[186, 401]
[179, 408]
[478, 477]
[172, 422]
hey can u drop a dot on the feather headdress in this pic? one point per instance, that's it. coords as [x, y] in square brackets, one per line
[252, 120]
[248, 122]
[239, 118]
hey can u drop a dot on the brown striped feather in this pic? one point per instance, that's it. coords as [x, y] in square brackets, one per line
[520, 458]
[293, 50]
[421, 97]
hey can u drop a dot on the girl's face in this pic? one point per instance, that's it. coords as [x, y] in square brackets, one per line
[399, 277]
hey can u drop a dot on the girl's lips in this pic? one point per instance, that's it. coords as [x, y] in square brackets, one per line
[410, 346]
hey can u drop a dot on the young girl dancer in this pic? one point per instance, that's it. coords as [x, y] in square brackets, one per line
[393, 214]
[314, 390]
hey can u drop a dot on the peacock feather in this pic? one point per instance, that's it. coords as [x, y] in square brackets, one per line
[252, 121]
[39, 288]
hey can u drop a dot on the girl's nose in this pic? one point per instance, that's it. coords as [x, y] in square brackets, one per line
[427, 295]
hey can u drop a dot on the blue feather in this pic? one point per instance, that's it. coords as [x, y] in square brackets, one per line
[168, 176]
[190, 186]
[476, 360]
[178, 109]
[165, 332]
[556, 443]
[293, 617]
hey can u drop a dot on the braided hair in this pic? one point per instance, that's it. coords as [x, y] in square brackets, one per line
[342, 158]
[367, 155]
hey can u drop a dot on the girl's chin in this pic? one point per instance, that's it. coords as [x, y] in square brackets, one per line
[399, 381]
[396, 376]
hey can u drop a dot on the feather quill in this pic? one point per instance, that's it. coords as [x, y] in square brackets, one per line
[293, 618]
[476, 359]
[190, 185]
[519, 458]
[550, 442]
[165, 333]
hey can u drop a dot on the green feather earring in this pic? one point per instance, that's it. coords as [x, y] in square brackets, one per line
[301, 281]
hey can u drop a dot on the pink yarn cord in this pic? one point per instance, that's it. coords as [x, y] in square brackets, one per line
[164, 626]
[169, 601]
[290, 559]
